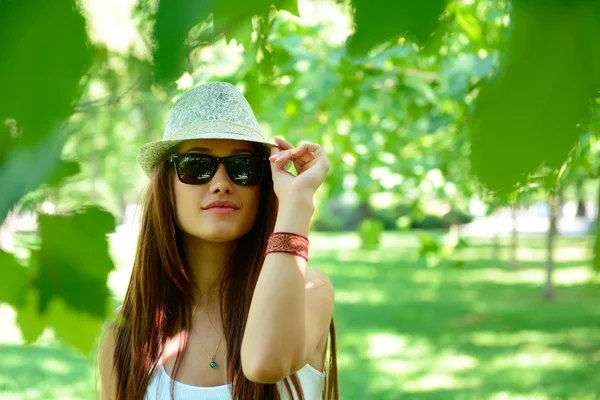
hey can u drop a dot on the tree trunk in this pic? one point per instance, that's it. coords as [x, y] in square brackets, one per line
[364, 211]
[581, 212]
[454, 234]
[596, 260]
[496, 245]
[554, 202]
[496, 249]
[514, 245]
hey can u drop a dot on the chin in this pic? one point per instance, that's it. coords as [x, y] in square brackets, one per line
[218, 236]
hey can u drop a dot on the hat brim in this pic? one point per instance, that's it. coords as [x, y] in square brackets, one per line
[151, 153]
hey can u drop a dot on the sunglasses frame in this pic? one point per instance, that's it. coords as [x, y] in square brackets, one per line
[219, 160]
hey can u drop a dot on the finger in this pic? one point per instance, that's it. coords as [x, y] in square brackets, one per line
[310, 148]
[283, 155]
[278, 165]
[280, 157]
[320, 160]
[299, 165]
[275, 150]
[300, 155]
[299, 162]
[283, 144]
[278, 162]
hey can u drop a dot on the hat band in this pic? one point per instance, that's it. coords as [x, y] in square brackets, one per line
[213, 126]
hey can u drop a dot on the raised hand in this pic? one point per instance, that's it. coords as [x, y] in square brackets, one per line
[310, 161]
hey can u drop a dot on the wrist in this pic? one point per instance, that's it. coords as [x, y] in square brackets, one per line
[294, 217]
[297, 203]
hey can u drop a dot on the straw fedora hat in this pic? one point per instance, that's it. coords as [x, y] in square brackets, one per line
[214, 110]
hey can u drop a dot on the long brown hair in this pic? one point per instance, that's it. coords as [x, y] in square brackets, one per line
[158, 302]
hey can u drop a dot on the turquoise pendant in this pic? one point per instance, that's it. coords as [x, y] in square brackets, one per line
[213, 364]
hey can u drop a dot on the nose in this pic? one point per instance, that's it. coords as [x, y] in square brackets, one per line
[220, 181]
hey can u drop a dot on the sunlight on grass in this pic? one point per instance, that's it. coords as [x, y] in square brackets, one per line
[404, 330]
[385, 345]
[339, 241]
[56, 366]
[562, 277]
[571, 254]
[433, 381]
[372, 297]
[573, 276]
[539, 358]
[514, 396]
[399, 357]
[526, 252]
[492, 338]
[456, 362]
[25, 394]
[405, 358]
[583, 336]
[397, 367]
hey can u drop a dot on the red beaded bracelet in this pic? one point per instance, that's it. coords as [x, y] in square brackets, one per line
[288, 242]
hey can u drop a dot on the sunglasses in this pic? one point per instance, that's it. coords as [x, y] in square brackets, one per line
[198, 169]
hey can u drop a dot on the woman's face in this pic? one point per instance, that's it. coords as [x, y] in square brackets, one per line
[191, 213]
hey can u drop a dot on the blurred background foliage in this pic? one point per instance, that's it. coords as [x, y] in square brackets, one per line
[425, 109]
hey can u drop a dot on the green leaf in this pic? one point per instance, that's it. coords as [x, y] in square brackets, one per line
[25, 168]
[421, 87]
[541, 95]
[240, 30]
[47, 60]
[380, 21]
[31, 323]
[65, 170]
[173, 22]
[74, 260]
[470, 25]
[79, 329]
[290, 6]
[39, 87]
[13, 285]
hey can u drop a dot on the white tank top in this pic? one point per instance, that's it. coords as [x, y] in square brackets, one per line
[311, 379]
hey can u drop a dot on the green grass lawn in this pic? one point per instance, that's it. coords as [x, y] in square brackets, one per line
[409, 331]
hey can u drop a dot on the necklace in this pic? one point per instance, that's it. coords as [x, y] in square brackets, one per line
[212, 364]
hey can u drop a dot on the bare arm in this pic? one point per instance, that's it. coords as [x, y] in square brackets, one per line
[288, 315]
[286, 319]
[105, 363]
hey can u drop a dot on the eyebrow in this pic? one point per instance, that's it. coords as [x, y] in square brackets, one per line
[207, 150]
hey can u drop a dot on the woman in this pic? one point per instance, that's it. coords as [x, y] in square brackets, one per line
[221, 303]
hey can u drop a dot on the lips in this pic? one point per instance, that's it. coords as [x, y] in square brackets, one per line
[222, 204]
[221, 210]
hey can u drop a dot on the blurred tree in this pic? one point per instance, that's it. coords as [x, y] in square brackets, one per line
[399, 105]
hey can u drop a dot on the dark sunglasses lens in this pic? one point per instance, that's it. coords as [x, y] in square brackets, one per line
[194, 170]
[245, 171]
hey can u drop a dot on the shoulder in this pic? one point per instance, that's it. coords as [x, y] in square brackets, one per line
[106, 346]
[106, 349]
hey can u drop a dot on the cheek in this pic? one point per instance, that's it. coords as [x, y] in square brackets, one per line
[184, 198]
[253, 201]
[254, 197]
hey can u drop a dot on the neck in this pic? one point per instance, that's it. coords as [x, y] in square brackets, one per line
[206, 261]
